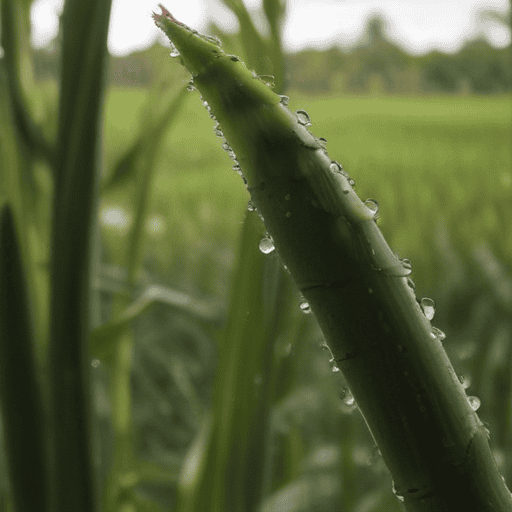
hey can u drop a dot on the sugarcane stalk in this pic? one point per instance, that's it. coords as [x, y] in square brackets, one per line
[431, 438]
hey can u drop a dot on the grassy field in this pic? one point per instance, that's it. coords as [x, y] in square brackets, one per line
[429, 162]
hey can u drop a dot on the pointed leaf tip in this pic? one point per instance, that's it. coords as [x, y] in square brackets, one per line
[164, 14]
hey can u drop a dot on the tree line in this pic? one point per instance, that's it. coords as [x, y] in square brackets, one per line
[375, 66]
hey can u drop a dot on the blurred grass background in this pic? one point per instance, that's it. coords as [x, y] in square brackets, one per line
[440, 166]
[432, 163]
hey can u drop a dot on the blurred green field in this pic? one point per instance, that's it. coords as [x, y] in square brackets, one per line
[432, 163]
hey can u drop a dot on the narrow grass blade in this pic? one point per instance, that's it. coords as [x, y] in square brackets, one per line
[275, 11]
[20, 392]
[84, 52]
[431, 438]
[229, 472]
[252, 41]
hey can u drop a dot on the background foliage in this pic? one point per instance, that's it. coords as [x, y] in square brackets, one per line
[170, 217]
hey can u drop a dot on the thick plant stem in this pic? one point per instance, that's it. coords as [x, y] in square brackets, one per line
[431, 439]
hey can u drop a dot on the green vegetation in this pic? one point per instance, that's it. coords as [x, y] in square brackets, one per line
[189, 322]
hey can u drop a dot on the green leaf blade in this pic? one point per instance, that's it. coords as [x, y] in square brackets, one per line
[22, 406]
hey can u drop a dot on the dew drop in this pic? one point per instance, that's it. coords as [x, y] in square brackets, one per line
[334, 368]
[474, 402]
[284, 100]
[465, 380]
[95, 363]
[303, 118]
[396, 493]
[335, 166]
[322, 142]
[191, 87]
[237, 169]
[218, 130]
[410, 283]
[227, 148]
[406, 263]
[373, 206]
[267, 245]
[347, 396]
[305, 307]
[268, 79]
[251, 206]
[234, 58]
[428, 307]
[214, 40]
[174, 52]
[440, 335]
[339, 168]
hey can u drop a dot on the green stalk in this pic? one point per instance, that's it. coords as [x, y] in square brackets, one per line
[431, 439]
[84, 52]
[17, 152]
[20, 392]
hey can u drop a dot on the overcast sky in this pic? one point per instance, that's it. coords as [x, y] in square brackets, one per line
[417, 25]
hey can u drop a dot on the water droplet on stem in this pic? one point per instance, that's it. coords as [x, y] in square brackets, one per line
[303, 118]
[347, 396]
[428, 307]
[474, 402]
[267, 245]
[373, 206]
[305, 307]
[440, 335]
